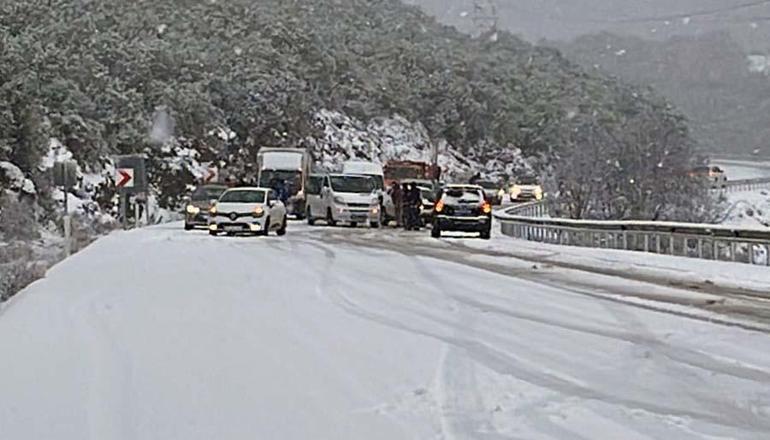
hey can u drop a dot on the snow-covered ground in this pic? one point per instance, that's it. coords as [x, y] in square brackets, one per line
[739, 170]
[162, 334]
[750, 209]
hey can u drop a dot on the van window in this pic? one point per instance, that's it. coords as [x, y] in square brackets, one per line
[314, 184]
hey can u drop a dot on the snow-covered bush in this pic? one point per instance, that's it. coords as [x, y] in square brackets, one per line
[17, 275]
[17, 218]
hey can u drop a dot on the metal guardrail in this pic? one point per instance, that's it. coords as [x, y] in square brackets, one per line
[712, 242]
[747, 184]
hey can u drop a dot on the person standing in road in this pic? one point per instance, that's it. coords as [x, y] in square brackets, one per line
[405, 187]
[414, 200]
[396, 196]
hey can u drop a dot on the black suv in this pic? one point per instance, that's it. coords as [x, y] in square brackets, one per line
[462, 208]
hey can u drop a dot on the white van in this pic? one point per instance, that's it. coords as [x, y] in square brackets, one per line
[376, 172]
[348, 198]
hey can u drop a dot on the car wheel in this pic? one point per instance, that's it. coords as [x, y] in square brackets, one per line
[188, 227]
[353, 224]
[330, 218]
[374, 225]
[281, 232]
[435, 232]
[310, 219]
[486, 234]
[213, 233]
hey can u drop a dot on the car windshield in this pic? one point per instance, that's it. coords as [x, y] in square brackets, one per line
[314, 184]
[379, 182]
[486, 184]
[428, 194]
[274, 178]
[527, 180]
[462, 195]
[352, 184]
[206, 193]
[242, 196]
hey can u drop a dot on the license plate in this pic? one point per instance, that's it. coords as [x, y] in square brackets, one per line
[233, 228]
[461, 212]
[359, 217]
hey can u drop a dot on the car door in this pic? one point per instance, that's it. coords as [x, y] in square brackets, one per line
[314, 197]
[326, 195]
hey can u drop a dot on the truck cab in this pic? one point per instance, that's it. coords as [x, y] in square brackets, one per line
[286, 169]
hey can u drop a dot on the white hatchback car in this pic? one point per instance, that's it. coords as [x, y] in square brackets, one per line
[345, 198]
[247, 211]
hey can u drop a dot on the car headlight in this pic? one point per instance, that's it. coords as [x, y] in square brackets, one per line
[501, 194]
[258, 212]
[538, 193]
[515, 190]
[213, 210]
[339, 200]
[193, 210]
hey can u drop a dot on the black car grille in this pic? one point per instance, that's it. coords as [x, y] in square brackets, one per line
[358, 205]
[232, 215]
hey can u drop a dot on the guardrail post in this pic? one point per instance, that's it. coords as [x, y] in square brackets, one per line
[647, 242]
[715, 250]
[767, 255]
[733, 249]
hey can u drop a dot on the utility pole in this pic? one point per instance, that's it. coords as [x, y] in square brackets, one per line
[65, 176]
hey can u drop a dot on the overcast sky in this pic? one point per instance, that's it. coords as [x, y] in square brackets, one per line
[748, 20]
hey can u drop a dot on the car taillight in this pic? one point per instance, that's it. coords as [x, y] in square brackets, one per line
[439, 206]
[486, 208]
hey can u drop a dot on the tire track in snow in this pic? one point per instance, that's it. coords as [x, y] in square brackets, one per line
[506, 364]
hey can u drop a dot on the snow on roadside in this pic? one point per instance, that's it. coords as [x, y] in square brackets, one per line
[676, 270]
[749, 209]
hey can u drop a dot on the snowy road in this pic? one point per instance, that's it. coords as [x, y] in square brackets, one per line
[162, 334]
[737, 169]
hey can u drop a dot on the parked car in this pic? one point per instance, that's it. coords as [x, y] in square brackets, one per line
[347, 198]
[493, 191]
[712, 175]
[198, 205]
[254, 211]
[462, 208]
[428, 202]
[526, 189]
